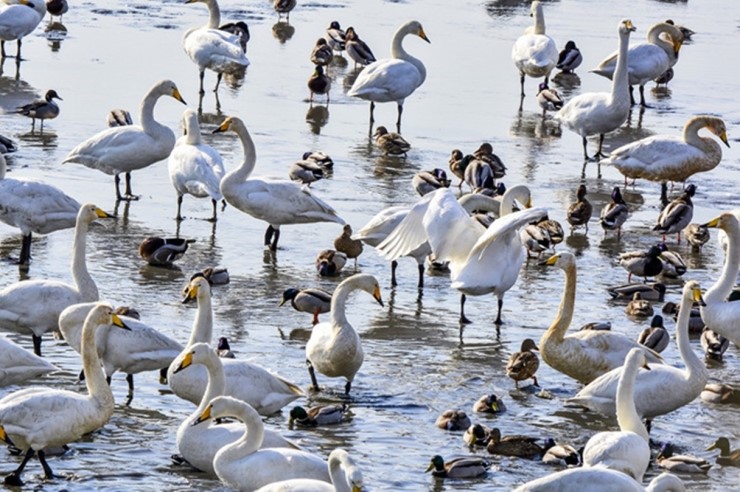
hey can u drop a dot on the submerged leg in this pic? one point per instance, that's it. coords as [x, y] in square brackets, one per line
[642, 97]
[498, 316]
[372, 118]
[347, 387]
[521, 80]
[15, 477]
[18, 53]
[663, 195]
[274, 244]
[214, 217]
[315, 317]
[463, 319]
[394, 265]
[179, 206]
[117, 180]
[218, 81]
[632, 96]
[312, 375]
[599, 153]
[130, 395]
[421, 275]
[36, 344]
[25, 250]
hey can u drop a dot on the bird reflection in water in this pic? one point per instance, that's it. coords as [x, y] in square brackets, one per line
[566, 83]
[55, 33]
[317, 117]
[283, 31]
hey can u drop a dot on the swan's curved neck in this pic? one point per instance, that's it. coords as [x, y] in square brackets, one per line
[620, 80]
[397, 51]
[216, 382]
[338, 474]
[250, 441]
[694, 367]
[202, 331]
[476, 201]
[653, 37]
[539, 21]
[97, 387]
[338, 303]
[691, 137]
[214, 15]
[627, 417]
[146, 114]
[722, 288]
[241, 173]
[565, 312]
[3, 167]
[83, 281]
[665, 483]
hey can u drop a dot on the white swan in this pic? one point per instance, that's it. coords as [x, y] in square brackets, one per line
[19, 20]
[243, 466]
[719, 315]
[123, 149]
[335, 349]
[34, 207]
[345, 477]
[607, 480]
[582, 355]
[195, 167]
[597, 113]
[214, 49]
[18, 364]
[392, 79]
[265, 391]
[670, 158]
[647, 61]
[199, 444]
[482, 261]
[276, 201]
[722, 235]
[33, 306]
[534, 53]
[628, 449]
[140, 348]
[38, 418]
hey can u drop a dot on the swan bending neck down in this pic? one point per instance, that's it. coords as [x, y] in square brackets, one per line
[37, 418]
[242, 465]
[345, 477]
[277, 202]
[608, 480]
[721, 316]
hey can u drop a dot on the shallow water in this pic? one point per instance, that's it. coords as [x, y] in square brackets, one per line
[415, 365]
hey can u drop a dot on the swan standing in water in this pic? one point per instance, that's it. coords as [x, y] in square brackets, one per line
[721, 316]
[334, 348]
[199, 444]
[265, 391]
[123, 149]
[608, 480]
[19, 20]
[38, 418]
[195, 167]
[392, 79]
[345, 477]
[34, 207]
[18, 364]
[582, 355]
[534, 53]
[242, 465]
[276, 201]
[597, 113]
[33, 306]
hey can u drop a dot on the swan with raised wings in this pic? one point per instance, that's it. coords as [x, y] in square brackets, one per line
[392, 79]
[242, 465]
[249, 382]
[582, 355]
[18, 364]
[33, 306]
[345, 477]
[34, 207]
[123, 149]
[37, 418]
[597, 113]
[535, 53]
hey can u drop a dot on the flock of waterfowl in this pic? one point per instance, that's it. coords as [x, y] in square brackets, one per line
[482, 239]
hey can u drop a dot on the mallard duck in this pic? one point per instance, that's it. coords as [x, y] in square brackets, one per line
[677, 214]
[468, 467]
[655, 337]
[534, 53]
[642, 263]
[696, 234]
[714, 344]
[335, 37]
[523, 364]
[696, 324]
[514, 445]
[427, 181]
[685, 31]
[639, 307]
[159, 251]
[489, 404]
[319, 415]
[666, 158]
[673, 264]
[535, 239]
[726, 456]
[453, 420]
[314, 301]
[560, 454]
[42, 109]
[19, 20]
[720, 393]
[223, 349]
[485, 153]
[320, 158]
[319, 83]
[7, 145]
[321, 53]
[391, 143]
[306, 171]
[216, 275]
[283, 7]
[553, 228]
[352, 248]
[330, 262]
[681, 463]
[614, 213]
[477, 435]
[392, 79]
[479, 175]
[569, 58]
[597, 326]
[651, 291]
[580, 212]
[56, 8]
[549, 99]
[357, 49]
[598, 113]
[646, 61]
[458, 163]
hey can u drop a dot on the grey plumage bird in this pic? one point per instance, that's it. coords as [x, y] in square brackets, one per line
[42, 109]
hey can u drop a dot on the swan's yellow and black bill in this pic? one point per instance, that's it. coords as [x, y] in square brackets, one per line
[190, 293]
[5, 437]
[356, 488]
[712, 223]
[117, 321]
[629, 25]
[102, 214]
[376, 295]
[206, 415]
[223, 127]
[423, 35]
[176, 95]
[187, 361]
[723, 137]
[696, 294]
[551, 260]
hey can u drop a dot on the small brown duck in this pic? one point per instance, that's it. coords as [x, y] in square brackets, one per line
[614, 213]
[159, 251]
[489, 404]
[714, 344]
[523, 364]
[313, 301]
[677, 214]
[344, 243]
[514, 445]
[42, 109]
[458, 163]
[321, 54]
[639, 307]
[477, 435]
[319, 83]
[320, 158]
[284, 7]
[330, 262]
[453, 420]
[720, 393]
[318, 416]
[655, 336]
[469, 467]
[580, 212]
[726, 456]
[485, 153]
[391, 143]
[697, 235]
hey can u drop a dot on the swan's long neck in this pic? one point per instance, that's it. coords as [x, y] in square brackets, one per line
[695, 370]
[653, 37]
[705, 144]
[338, 474]
[627, 417]
[722, 288]
[620, 80]
[146, 114]
[192, 131]
[338, 303]
[565, 312]
[241, 173]
[250, 441]
[476, 201]
[97, 387]
[397, 51]
[83, 281]
[539, 21]
[3, 167]
[216, 382]
[202, 331]
[214, 15]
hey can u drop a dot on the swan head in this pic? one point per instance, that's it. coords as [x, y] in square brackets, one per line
[89, 212]
[414, 27]
[190, 124]
[230, 123]
[197, 288]
[637, 358]
[352, 473]
[225, 406]
[368, 283]
[563, 260]
[692, 291]
[725, 221]
[168, 88]
[626, 26]
[199, 353]
[717, 127]
[103, 314]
